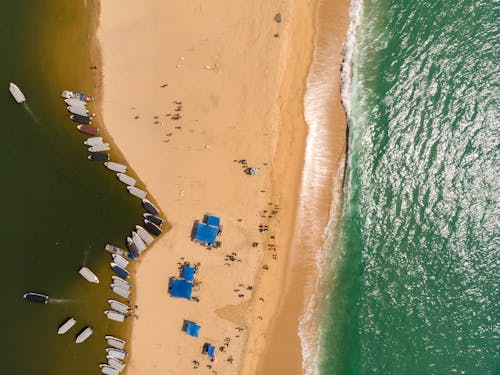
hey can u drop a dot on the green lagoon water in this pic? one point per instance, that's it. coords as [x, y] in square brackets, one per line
[416, 273]
[58, 208]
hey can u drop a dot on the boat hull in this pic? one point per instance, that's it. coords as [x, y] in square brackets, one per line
[84, 335]
[150, 207]
[16, 93]
[88, 275]
[36, 297]
[115, 315]
[98, 157]
[66, 326]
[121, 272]
[117, 167]
[153, 228]
[141, 194]
[145, 236]
[81, 119]
[88, 129]
[154, 219]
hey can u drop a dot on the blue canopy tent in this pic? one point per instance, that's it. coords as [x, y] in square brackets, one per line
[181, 288]
[188, 273]
[212, 220]
[206, 233]
[192, 329]
[211, 350]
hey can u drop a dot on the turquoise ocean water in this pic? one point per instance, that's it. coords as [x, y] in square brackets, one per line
[58, 208]
[416, 269]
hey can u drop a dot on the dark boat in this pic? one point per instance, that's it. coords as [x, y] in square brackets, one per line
[88, 129]
[150, 207]
[119, 271]
[154, 219]
[153, 228]
[132, 247]
[36, 297]
[99, 157]
[81, 119]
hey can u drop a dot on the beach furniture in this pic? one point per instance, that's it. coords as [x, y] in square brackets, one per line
[191, 328]
[180, 288]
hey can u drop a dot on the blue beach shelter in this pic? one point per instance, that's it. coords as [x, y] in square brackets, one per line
[181, 288]
[206, 233]
[188, 273]
[192, 329]
[212, 220]
[211, 350]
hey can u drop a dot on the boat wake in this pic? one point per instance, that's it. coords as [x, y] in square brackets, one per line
[30, 112]
[62, 300]
[85, 257]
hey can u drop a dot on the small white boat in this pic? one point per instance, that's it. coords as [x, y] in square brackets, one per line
[75, 103]
[16, 93]
[115, 250]
[117, 167]
[76, 95]
[141, 246]
[115, 315]
[92, 141]
[88, 274]
[141, 194]
[116, 363]
[66, 326]
[121, 261]
[117, 353]
[120, 282]
[145, 236]
[84, 335]
[127, 180]
[108, 370]
[82, 111]
[122, 292]
[99, 147]
[115, 342]
[118, 306]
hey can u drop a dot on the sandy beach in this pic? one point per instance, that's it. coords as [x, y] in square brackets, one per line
[192, 95]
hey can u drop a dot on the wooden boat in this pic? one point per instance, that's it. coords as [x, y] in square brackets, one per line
[154, 219]
[116, 353]
[145, 236]
[141, 246]
[88, 275]
[93, 141]
[121, 261]
[36, 297]
[123, 273]
[81, 119]
[88, 129]
[150, 207]
[84, 335]
[153, 228]
[120, 282]
[76, 110]
[115, 342]
[98, 157]
[127, 180]
[115, 315]
[116, 250]
[117, 167]
[122, 292]
[141, 194]
[16, 93]
[99, 147]
[75, 103]
[115, 363]
[63, 328]
[132, 248]
[108, 370]
[118, 306]
[76, 95]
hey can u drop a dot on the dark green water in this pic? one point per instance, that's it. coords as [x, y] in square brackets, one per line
[58, 208]
[416, 278]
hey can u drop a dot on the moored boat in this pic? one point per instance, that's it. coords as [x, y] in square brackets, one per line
[115, 362]
[115, 315]
[150, 207]
[81, 119]
[118, 306]
[153, 228]
[121, 261]
[117, 167]
[141, 246]
[76, 95]
[84, 335]
[120, 282]
[108, 370]
[117, 353]
[145, 236]
[36, 297]
[88, 129]
[99, 147]
[130, 181]
[16, 93]
[98, 157]
[76, 110]
[88, 275]
[115, 342]
[118, 289]
[132, 248]
[63, 328]
[154, 219]
[123, 273]
[141, 194]
[116, 250]
[75, 103]
[93, 141]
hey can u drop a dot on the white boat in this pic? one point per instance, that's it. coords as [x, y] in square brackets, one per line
[115, 250]
[92, 141]
[122, 292]
[66, 326]
[117, 353]
[16, 93]
[76, 95]
[82, 111]
[89, 275]
[145, 236]
[141, 194]
[120, 282]
[115, 342]
[118, 306]
[99, 147]
[108, 370]
[117, 167]
[84, 335]
[127, 180]
[139, 243]
[75, 103]
[116, 363]
[115, 315]
[121, 261]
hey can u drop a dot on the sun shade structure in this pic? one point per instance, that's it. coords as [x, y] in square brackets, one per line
[181, 288]
[211, 350]
[211, 220]
[207, 231]
[191, 328]
[188, 273]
